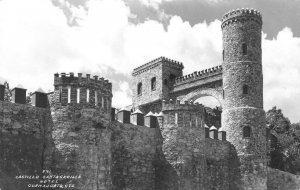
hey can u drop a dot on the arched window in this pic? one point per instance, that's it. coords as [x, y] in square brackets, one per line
[246, 131]
[153, 83]
[244, 48]
[172, 77]
[245, 89]
[139, 89]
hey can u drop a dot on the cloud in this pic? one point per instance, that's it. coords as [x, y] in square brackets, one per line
[281, 57]
[36, 41]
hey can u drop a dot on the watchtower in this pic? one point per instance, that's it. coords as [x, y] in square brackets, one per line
[81, 110]
[152, 83]
[243, 117]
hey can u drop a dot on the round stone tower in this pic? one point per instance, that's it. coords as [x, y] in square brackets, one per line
[243, 116]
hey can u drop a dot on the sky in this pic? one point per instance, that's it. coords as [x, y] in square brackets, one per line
[110, 38]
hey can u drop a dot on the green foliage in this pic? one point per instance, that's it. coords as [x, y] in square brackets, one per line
[284, 142]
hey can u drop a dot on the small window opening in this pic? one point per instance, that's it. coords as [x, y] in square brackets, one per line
[246, 132]
[244, 48]
[69, 94]
[245, 89]
[166, 82]
[60, 94]
[139, 89]
[96, 98]
[78, 95]
[153, 83]
[172, 77]
[88, 95]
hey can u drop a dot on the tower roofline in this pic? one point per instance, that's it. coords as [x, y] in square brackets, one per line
[151, 64]
[241, 15]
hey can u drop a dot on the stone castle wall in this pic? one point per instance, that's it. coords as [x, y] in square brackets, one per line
[81, 131]
[25, 143]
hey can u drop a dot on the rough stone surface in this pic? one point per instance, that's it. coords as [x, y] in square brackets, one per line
[25, 143]
[75, 134]
[279, 180]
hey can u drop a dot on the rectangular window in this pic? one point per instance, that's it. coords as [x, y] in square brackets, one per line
[96, 98]
[60, 94]
[69, 94]
[102, 102]
[244, 48]
[176, 118]
[87, 95]
[78, 95]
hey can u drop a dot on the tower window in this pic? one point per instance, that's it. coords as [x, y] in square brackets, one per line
[244, 48]
[246, 132]
[60, 94]
[172, 77]
[223, 94]
[166, 82]
[153, 83]
[139, 89]
[245, 89]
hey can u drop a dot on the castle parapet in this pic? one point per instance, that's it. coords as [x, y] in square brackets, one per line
[19, 95]
[124, 116]
[150, 120]
[70, 79]
[155, 63]
[177, 105]
[39, 99]
[214, 133]
[241, 15]
[198, 75]
[78, 89]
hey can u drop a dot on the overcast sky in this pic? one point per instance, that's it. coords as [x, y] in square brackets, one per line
[111, 37]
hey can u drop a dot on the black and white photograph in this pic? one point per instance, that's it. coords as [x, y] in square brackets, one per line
[149, 94]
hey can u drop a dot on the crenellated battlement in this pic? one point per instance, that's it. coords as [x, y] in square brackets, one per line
[38, 98]
[156, 62]
[241, 15]
[64, 79]
[70, 89]
[198, 75]
[172, 105]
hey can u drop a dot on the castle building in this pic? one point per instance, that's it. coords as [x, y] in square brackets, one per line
[163, 143]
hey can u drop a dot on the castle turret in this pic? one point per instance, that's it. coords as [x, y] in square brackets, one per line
[243, 117]
[81, 111]
[152, 83]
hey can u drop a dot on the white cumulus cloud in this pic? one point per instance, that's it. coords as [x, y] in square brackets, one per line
[36, 41]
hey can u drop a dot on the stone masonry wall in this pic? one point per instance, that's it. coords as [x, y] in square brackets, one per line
[82, 140]
[134, 150]
[25, 143]
[162, 69]
[183, 145]
[280, 180]
[222, 165]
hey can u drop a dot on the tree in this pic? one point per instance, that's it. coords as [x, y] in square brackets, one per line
[213, 116]
[7, 93]
[284, 142]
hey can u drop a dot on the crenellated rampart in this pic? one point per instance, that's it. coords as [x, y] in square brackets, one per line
[154, 63]
[70, 89]
[241, 15]
[198, 75]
